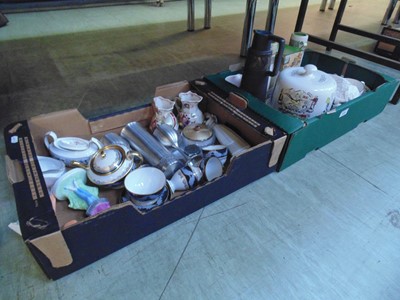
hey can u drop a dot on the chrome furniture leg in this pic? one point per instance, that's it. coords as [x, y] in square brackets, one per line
[207, 14]
[190, 20]
[389, 11]
[272, 13]
[248, 26]
[323, 5]
[397, 16]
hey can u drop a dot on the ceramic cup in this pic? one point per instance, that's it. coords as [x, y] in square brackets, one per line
[185, 178]
[146, 187]
[218, 151]
[212, 168]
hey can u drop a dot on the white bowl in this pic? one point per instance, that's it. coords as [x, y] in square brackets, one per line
[51, 168]
[145, 181]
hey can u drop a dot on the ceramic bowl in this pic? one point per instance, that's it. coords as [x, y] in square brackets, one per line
[199, 135]
[51, 168]
[145, 184]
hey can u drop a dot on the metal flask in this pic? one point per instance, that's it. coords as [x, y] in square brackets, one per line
[260, 65]
[150, 148]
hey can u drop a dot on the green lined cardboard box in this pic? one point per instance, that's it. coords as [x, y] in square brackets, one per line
[305, 136]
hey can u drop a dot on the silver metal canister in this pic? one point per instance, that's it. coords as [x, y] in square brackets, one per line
[151, 149]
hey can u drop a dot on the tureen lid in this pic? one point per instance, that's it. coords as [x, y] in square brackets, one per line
[107, 160]
[309, 77]
[72, 143]
[197, 132]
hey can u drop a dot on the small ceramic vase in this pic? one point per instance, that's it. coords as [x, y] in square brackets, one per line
[163, 113]
[189, 111]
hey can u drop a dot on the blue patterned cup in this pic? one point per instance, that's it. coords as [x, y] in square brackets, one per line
[218, 151]
[146, 187]
[185, 178]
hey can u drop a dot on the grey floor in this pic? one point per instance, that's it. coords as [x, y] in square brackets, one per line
[328, 227]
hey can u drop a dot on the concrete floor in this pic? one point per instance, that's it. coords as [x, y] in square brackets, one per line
[325, 228]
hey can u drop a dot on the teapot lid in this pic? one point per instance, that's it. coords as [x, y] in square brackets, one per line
[309, 77]
[107, 160]
[197, 132]
[72, 143]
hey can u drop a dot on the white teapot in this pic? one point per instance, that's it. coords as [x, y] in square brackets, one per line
[69, 149]
[305, 92]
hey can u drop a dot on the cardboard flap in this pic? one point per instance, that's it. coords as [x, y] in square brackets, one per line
[117, 121]
[277, 150]
[55, 248]
[63, 123]
[171, 90]
[14, 170]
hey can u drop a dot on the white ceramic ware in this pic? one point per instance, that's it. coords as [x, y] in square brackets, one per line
[198, 134]
[305, 92]
[163, 113]
[145, 184]
[185, 178]
[212, 168]
[110, 164]
[70, 149]
[51, 169]
[218, 151]
[227, 137]
[188, 109]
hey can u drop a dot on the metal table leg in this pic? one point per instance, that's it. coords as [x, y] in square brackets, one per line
[389, 11]
[272, 13]
[397, 16]
[248, 26]
[190, 20]
[301, 15]
[207, 14]
[323, 5]
[338, 19]
[332, 4]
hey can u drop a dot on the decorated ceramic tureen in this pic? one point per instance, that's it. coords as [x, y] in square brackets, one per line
[70, 149]
[110, 164]
[305, 92]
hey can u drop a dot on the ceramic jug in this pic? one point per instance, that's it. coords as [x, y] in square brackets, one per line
[188, 110]
[163, 113]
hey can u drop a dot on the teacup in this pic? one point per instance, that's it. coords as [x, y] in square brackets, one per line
[152, 201]
[218, 151]
[212, 168]
[185, 178]
[146, 187]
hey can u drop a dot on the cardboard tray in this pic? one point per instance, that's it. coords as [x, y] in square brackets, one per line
[60, 249]
[305, 136]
